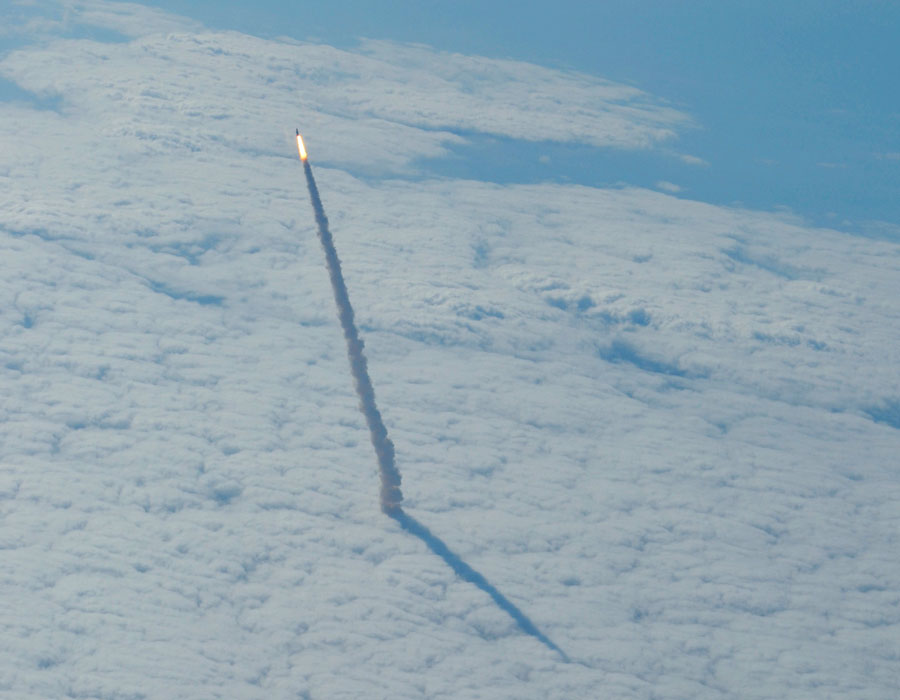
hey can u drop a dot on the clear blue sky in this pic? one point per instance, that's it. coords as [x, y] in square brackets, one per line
[797, 103]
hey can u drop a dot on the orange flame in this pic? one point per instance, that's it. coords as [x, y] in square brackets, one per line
[301, 149]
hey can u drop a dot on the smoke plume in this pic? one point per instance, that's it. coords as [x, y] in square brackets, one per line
[391, 496]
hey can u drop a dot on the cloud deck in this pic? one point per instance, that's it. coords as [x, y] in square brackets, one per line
[663, 428]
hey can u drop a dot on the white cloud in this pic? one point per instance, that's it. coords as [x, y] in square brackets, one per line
[512, 98]
[666, 430]
[692, 160]
[129, 19]
[666, 186]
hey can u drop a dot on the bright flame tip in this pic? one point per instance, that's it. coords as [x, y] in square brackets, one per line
[301, 149]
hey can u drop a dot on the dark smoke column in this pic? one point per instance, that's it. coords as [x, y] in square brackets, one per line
[391, 496]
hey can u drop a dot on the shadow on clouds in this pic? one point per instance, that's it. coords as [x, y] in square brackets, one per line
[467, 573]
[887, 412]
[620, 351]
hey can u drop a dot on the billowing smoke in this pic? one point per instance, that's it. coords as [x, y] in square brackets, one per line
[391, 496]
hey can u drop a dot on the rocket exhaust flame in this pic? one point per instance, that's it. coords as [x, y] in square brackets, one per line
[301, 149]
[391, 496]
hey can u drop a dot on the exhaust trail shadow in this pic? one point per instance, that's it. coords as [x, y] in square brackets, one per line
[467, 573]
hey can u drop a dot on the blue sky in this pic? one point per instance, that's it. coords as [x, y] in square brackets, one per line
[796, 103]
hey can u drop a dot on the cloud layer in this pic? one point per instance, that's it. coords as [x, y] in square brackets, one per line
[378, 107]
[666, 430]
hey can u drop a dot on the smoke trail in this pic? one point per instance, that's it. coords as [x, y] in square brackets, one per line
[391, 496]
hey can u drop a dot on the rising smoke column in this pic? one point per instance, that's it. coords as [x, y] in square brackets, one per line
[391, 496]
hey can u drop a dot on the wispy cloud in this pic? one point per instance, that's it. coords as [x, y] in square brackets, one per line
[692, 160]
[128, 19]
[666, 186]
